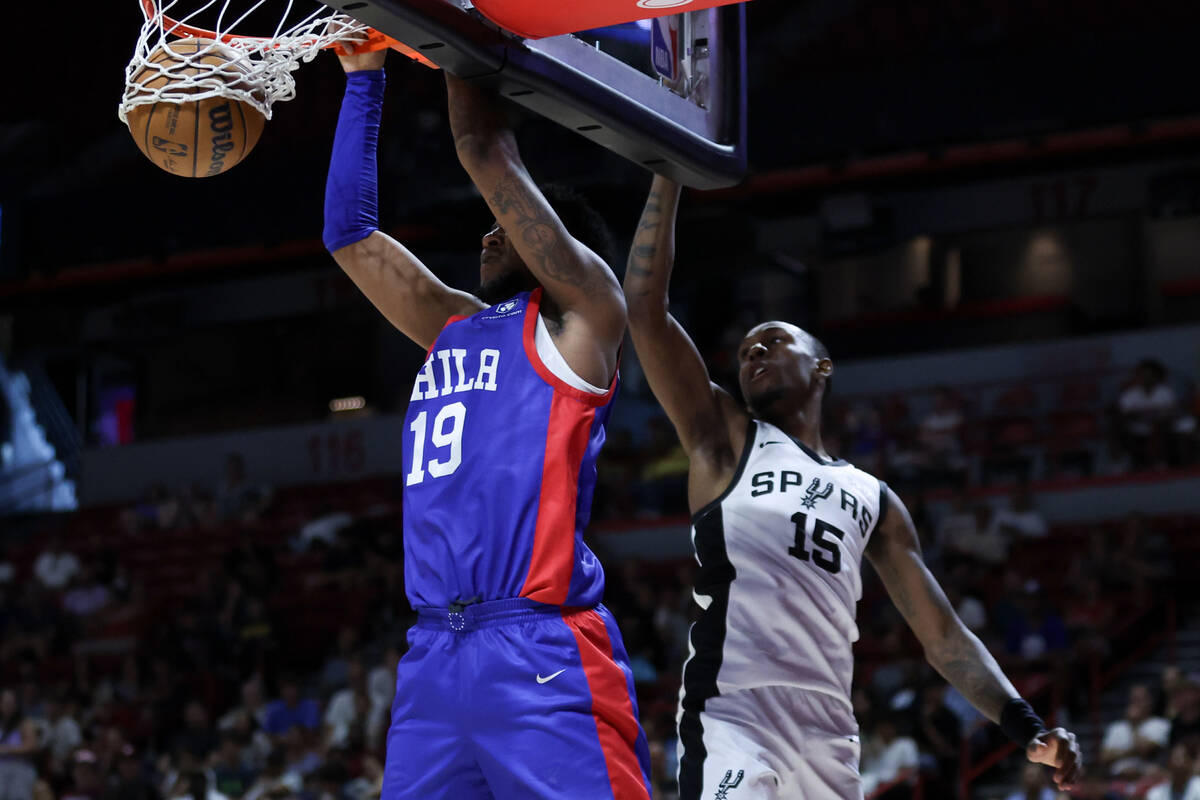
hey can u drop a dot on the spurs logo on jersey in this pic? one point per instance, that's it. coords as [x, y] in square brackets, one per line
[729, 782]
[780, 572]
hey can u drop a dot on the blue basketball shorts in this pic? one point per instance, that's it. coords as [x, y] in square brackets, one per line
[513, 699]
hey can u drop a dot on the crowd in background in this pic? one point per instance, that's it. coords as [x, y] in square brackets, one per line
[958, 437]
[225, 694]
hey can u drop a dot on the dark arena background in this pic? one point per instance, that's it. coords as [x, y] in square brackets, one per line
[989, 212]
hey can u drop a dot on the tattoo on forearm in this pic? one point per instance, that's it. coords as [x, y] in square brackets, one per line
[970, 668]
[645, 242]
[959, 656]
[551, 254]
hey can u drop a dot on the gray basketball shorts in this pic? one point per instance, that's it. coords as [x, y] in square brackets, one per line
[770, 743]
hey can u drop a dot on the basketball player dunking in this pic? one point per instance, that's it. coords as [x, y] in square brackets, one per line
[780, 529]
[516, 682]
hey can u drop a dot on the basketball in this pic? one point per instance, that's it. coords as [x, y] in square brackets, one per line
[201, 138]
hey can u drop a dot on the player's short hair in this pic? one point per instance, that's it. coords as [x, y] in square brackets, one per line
[819, 348]
[582, 220]
[820, 351]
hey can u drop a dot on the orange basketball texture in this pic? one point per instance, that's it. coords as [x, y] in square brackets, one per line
[193, 139]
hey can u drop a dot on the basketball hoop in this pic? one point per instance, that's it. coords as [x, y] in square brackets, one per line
[252, 69]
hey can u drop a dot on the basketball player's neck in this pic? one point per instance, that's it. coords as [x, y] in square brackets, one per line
[800, 421]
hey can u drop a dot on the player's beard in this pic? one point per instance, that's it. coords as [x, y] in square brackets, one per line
[502, 287]
[762, 402]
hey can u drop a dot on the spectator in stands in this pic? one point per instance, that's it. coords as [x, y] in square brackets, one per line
[253, 743]
[905, 459]
[200, 506]
[335, 672]
[1037, 634]
[290, 710]
[87, 596]
[940, 434]
[886, 755]
[1097, 560]
[197, 737]
[253, 706]
[971, 534]
[369, 784]
[1131, 744]
[1185, 724]
[864, 437]
[1088, 616]
[381, 683]
[299, 754]
[160, 509]
[1182, 783]
[231, 775]
[237, 498]
[55, 566]
[194, 785]
[957, 522]
[255, 640]
[939, 734]
[130, 781]
[1153, 429]
[1143, 553]
[967, 605]
[1033, 785]
[349, 708]
[18, 749]
[61, 734]
[87, 781]
[671, 623]
[323, 527]
[254, 565]
[276, 779]
[1021, 519]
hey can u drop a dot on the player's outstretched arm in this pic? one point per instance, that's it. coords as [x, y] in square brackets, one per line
[955, 652]
[702, 412]
[393, 279]
[579, 286]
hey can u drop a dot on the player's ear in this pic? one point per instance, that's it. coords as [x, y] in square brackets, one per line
[825, 367]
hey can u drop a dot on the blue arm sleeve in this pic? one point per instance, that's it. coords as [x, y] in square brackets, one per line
[351, 194]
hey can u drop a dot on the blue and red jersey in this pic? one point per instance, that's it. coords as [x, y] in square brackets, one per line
[500, 461]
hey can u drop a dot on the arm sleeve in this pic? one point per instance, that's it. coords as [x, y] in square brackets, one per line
[351, 193]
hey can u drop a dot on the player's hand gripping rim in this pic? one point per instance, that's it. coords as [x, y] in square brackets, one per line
[356, 52]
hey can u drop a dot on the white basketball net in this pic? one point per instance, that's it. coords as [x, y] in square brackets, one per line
[260, 72]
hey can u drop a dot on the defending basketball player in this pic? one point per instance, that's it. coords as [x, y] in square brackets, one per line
[516, 682]
[780, 529]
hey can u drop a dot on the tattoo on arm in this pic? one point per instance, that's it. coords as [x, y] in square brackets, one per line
[645, 244]
[540, 233]
[969, 667]
[950, 647]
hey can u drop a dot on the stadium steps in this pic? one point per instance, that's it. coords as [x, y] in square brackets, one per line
[1149, 672]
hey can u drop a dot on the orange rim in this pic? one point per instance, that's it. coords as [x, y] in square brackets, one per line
[375, 39]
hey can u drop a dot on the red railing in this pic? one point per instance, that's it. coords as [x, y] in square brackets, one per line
[1099, 679]
[912, 777]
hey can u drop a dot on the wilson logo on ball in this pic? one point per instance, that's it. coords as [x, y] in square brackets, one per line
[223, 129]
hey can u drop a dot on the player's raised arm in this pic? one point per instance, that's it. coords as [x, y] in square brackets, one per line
[954, 651]
[581, 289]
[393, 279]
[701, 411]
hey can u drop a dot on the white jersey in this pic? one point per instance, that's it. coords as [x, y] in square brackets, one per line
[780, 555]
